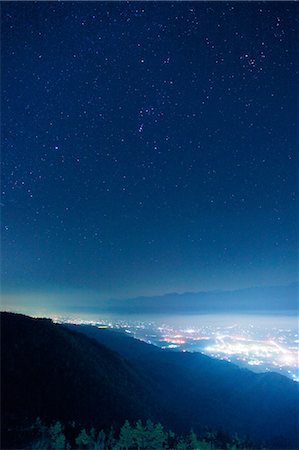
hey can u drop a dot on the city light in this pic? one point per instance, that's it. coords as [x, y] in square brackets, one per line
[259, 348]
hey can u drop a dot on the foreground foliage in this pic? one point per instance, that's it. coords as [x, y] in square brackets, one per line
[148, 436]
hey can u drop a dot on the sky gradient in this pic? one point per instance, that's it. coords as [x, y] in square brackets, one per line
[148, 148]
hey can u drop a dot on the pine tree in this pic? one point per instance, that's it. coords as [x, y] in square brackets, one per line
[182, 444]
[111, 441]
[237, 441]
[194, 443]
[149, 435]
[83, 440]
[100, 442]
[159, 437]
[42, 440]
[211, 438]
[126, 439]
[203, 445]
[57, 436]
[171, 439]
[139, 435]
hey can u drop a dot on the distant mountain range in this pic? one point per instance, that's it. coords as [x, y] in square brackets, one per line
[101, 377]
[255, 299]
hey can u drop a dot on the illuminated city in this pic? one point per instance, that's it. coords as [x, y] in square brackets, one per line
[257, 347]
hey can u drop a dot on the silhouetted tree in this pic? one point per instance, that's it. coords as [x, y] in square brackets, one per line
[182, 444]
[142, 437]
[83, 440]
[126, 439]
[42, 435]
[100, 441]
[193, 441]
[111, 441]
[139, 435]
[57, 437]
[159, 437]
[171, 439]
[210, 436]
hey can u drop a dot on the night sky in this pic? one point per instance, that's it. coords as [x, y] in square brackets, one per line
[147, 148]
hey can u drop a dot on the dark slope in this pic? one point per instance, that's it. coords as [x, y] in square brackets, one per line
[205, 391]
[56, 373]
[221, 395]
[118, 341]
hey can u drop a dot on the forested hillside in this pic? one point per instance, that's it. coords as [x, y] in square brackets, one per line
[59, 374]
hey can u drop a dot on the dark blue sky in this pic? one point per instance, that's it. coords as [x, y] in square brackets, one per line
[148, 147]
